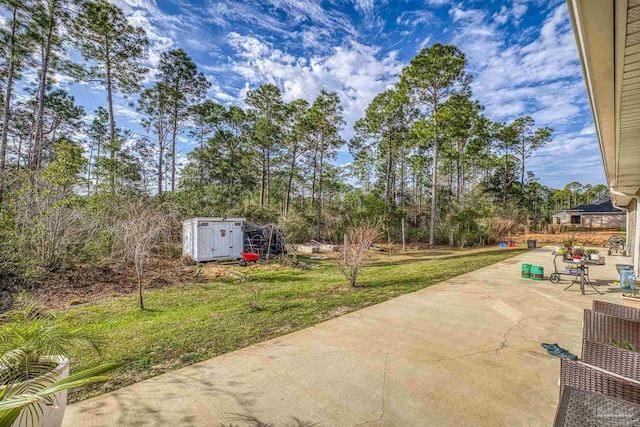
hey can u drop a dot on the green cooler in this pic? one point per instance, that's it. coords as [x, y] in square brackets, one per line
[536, 272]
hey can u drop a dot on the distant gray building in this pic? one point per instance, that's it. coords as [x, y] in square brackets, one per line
[597, 215]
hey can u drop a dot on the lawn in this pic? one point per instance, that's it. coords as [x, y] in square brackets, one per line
[190, 323]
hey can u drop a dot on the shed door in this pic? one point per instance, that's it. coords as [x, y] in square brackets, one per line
[222, 238]
[205, 242]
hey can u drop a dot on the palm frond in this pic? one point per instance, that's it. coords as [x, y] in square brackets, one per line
[43, 392]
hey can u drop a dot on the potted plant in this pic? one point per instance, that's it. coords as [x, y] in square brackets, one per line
[578, 252]
[567, 249]
[571, 269]
[34, 366]
[594, 254]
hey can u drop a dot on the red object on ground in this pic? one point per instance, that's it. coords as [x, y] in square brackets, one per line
[249, 256]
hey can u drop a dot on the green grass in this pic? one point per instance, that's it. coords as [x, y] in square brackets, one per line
[190, 323]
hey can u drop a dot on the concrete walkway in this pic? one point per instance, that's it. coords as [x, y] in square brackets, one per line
[465, 352]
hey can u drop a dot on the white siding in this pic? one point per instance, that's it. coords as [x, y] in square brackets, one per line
[211, 239]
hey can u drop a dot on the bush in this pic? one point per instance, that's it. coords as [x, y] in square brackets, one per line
[297, 228]
[355, 253]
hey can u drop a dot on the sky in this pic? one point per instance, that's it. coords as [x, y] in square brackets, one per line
[522, 55]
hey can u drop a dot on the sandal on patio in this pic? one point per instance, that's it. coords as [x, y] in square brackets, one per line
[550, 346]
[561, 352]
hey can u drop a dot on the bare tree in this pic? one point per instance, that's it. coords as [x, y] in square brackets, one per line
[355, 253]
[144, 230]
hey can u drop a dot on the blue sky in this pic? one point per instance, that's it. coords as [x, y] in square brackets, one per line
[522, 55]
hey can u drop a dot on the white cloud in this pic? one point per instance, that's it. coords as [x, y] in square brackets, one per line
[511, 13]
[413, 18]
[540, 78]
[368, 8]
[356, 71]
[514, 80]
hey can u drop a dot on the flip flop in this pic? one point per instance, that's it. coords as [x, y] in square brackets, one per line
[550, 346]
[561, 352]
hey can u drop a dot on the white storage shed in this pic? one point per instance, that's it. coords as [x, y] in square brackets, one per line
[213, 239]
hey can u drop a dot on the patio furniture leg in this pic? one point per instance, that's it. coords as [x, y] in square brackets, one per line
[590, 283]
[594, 288]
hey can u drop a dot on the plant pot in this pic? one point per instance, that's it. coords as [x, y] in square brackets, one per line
[594, 257]
[629, 301]
[51, 416]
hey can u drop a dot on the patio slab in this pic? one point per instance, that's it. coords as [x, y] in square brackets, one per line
[462, 352]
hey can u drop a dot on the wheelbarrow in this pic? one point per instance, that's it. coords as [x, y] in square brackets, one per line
[248, 257]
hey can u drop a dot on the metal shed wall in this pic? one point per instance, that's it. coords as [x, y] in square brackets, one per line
[213, 239]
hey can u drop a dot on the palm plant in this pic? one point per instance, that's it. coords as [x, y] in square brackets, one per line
[30, 397]
[35, 344]
[41, 332]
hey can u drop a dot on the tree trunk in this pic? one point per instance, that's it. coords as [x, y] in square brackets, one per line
[140, 292]
[7, 102]
[268, 176]
[19, 154]
[458, 172]
[112, 121]
[95, 173]
[160, 166]
[174, 133]
[387, 181]
[506, 176]
[36, 149]
[522, 170]
[315, 170]
[263, 178]
[319, 202]
[290, 182]
[434, 181]
[89, 170]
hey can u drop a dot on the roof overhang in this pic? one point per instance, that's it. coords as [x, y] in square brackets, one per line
[608, 39]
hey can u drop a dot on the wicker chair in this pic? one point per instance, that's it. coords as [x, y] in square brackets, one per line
[603, 328]
[589, 378]
[617, 310]
[613, 359]
[579, 408]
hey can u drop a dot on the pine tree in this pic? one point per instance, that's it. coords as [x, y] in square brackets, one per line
[98, 136]
[16, 44]
[185, 88]
[380, 135]
[267, 111]
[154, 103]
[48, 19]
[528, 141]
[114, 49]
[435, 74]
[325, 121]
[295, 141]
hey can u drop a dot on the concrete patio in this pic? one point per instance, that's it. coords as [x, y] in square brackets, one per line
[465, 352]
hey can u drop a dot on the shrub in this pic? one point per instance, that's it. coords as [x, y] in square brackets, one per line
[355, 253]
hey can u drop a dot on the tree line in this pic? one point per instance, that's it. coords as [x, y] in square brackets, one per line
[424, 151]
